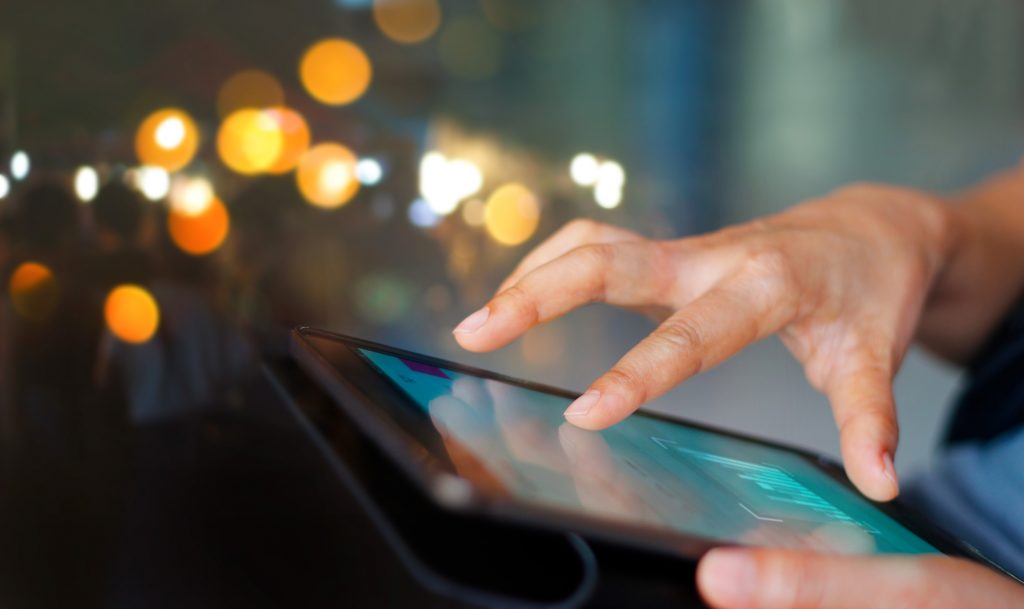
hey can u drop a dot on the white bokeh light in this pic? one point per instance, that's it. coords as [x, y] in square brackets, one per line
[369, 172]
[191, 196]
[445, 183]
[20, 165]
[87, 183]
[584, 169]
[608, 194]
[170, 133]
[153, 182]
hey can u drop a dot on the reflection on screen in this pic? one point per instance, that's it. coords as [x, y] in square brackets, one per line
[643, 470]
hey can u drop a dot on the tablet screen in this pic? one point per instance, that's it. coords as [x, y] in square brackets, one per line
[643, 471]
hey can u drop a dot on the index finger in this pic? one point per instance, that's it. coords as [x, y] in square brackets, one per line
[574, 234]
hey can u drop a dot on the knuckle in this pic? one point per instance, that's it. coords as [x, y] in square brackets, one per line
[681, 334]
[869, 420]
[684, 336]
[771, 263]
[596, 255]
[788, 580]
[773, 278]
[520, 302]
[627, 379]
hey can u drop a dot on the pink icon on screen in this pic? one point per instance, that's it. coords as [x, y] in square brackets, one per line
[425, 369]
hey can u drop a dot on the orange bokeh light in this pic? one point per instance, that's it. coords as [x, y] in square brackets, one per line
[335, 71]
[512, 214]
[131, 314]
[407, 21]
[327, 175]
[295, 139]
[250, 141]
[202, 233]
[167, 138]
[33, 291]
[249, 89]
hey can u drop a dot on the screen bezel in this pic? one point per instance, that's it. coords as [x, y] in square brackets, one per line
[380, 409]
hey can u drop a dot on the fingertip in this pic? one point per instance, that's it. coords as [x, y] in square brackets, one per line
[596, 410]
[874, 475]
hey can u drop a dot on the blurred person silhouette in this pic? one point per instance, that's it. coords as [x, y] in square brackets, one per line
[61, 442]
[119, 214]
[197, 357]
[53, 332]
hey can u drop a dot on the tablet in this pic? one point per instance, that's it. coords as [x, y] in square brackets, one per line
[479, 442]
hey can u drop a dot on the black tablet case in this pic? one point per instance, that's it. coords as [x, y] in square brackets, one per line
[461, 561]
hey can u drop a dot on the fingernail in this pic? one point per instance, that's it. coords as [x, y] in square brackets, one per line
[889, 469]
[583, 404]
[474, 322]
[727, 577]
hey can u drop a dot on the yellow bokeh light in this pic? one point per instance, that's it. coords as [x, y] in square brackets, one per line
[295, 139]
[202, 233]
[167, 138]
[250, 141]
[131, 313]
[335, 71]
[33, 291]
[249, 89]
[512, 214]
[407, 21]
[327, 175]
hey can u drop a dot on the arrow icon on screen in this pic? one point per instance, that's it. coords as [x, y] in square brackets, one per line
[662, 442]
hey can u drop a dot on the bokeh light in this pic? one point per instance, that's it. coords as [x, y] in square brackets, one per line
[445, 183]
[335, 71]
[407, 21]
[131, 313]
[611, 177]
[87, 184]
[255, 89]
[327, 175]
[611, 173]
[295, 138]
[167, 138]
[421, 215]
[584, 169]
[33, 291]
[369, 171]
[250, 141]
[5, 186]
[202, 233]
[512, 214]
[473, 212]
[153, 182]
[190, 196]
[608, 194]
[20, 165]
[469, 48]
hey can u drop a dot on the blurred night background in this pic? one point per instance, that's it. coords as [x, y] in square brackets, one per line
[182, 182]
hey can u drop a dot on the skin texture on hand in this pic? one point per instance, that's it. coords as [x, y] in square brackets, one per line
[731, 578]
[843, 281]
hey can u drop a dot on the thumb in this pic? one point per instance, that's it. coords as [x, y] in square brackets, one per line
[733, 578]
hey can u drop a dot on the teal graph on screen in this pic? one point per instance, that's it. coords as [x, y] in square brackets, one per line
[644, 470]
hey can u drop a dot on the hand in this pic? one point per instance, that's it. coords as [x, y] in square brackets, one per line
[782, 579]
[842, 279]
